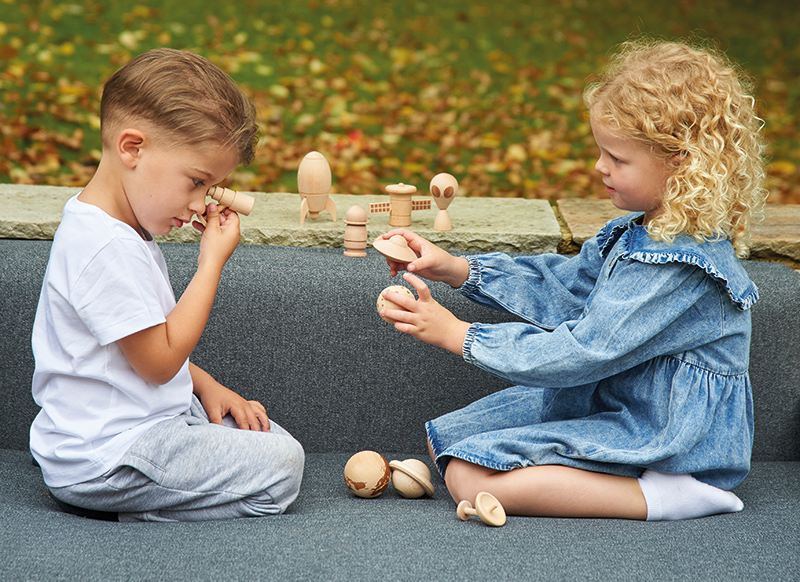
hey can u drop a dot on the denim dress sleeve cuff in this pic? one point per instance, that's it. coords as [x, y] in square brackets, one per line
[470, 286]
[469, 339]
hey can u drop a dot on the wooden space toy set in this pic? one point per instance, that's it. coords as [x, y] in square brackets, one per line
[367, 473]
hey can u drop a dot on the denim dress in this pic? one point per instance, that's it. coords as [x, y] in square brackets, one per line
[632, 355]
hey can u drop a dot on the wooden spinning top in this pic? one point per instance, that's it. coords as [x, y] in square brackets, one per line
[487, 508]
[384, 303]
[395, 248]
[411, 478]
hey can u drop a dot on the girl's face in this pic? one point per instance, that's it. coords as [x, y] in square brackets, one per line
[634, 178]
[172, 182]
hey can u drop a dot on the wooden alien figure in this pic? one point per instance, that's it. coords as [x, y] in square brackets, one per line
[314, 186]
[443, 189]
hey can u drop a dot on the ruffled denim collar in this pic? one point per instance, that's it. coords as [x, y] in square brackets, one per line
[716, 258]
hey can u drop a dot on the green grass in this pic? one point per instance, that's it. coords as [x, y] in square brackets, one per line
[389, 91]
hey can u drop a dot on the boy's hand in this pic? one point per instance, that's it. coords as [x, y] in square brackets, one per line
[248, 414]
[425, 318]
[220, 235]
[433, 263]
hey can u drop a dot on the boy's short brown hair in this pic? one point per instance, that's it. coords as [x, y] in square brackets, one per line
[185, 96]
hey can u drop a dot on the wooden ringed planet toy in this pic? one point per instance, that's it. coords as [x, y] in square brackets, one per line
[411, 478]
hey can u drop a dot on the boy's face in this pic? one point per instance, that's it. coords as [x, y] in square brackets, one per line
[169, 184]
[634, 177]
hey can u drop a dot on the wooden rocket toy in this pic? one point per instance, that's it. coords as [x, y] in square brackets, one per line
[314, 186]
[239, 202]
[443, 189]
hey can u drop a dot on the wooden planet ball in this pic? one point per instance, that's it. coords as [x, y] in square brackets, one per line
[367, 474]
[411, 478]
[384, 303]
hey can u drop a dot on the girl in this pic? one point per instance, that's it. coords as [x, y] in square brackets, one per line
[633, 398]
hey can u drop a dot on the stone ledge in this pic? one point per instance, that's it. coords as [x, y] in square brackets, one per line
[479, 224]
[775, 239]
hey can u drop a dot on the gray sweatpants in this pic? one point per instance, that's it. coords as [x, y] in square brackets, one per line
[188, 469]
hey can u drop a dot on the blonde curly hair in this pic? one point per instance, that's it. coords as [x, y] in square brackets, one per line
[690, 106]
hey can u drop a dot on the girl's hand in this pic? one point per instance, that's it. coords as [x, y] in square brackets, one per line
[425, 318]
[220, 235]
[433, 263]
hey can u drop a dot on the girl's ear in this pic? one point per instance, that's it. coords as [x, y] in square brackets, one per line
[129, 146]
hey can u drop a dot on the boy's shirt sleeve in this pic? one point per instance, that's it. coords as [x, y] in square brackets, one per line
[640, 312]
[115, 296]
[544, 290]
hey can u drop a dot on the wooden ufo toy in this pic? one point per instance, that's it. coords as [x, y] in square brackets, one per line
[395, 248]
[487, 508]
[411, 478]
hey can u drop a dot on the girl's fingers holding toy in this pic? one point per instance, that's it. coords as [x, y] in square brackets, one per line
[419, 285]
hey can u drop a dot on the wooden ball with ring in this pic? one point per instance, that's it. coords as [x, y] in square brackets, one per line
[384, 303]
[367, 474]
[411, 478]
[487, 508]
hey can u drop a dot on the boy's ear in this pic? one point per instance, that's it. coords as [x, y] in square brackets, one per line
[129, 145]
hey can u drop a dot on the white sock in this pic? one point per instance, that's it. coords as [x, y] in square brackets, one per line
[671, 497]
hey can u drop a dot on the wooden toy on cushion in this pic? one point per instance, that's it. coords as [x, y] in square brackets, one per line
[400, 205]
[411, 478]
[226, 198]
[487, 508]
[355, 232]
[443, 189]
[384, 303]
[367, 474]
[314, 186]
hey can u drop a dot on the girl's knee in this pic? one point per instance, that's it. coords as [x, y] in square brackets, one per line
[465, 480]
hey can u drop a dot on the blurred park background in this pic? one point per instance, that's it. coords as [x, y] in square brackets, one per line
[389, 90]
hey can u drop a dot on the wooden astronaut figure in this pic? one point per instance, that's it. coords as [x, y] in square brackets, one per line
[355, 232]
[443, 189]
[314, 186]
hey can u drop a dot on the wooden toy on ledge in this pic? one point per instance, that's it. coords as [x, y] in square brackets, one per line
[355, 232]
[314, 186]
[411, 478]
[400, 205]
[487, 508]
[227, 198]
[443, 189]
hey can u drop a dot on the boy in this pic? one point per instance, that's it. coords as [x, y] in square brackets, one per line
[128, 425]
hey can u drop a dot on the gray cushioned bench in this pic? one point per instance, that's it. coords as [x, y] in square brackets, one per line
[298, 330]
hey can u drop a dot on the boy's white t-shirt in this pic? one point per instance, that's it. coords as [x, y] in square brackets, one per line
[103, 283]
